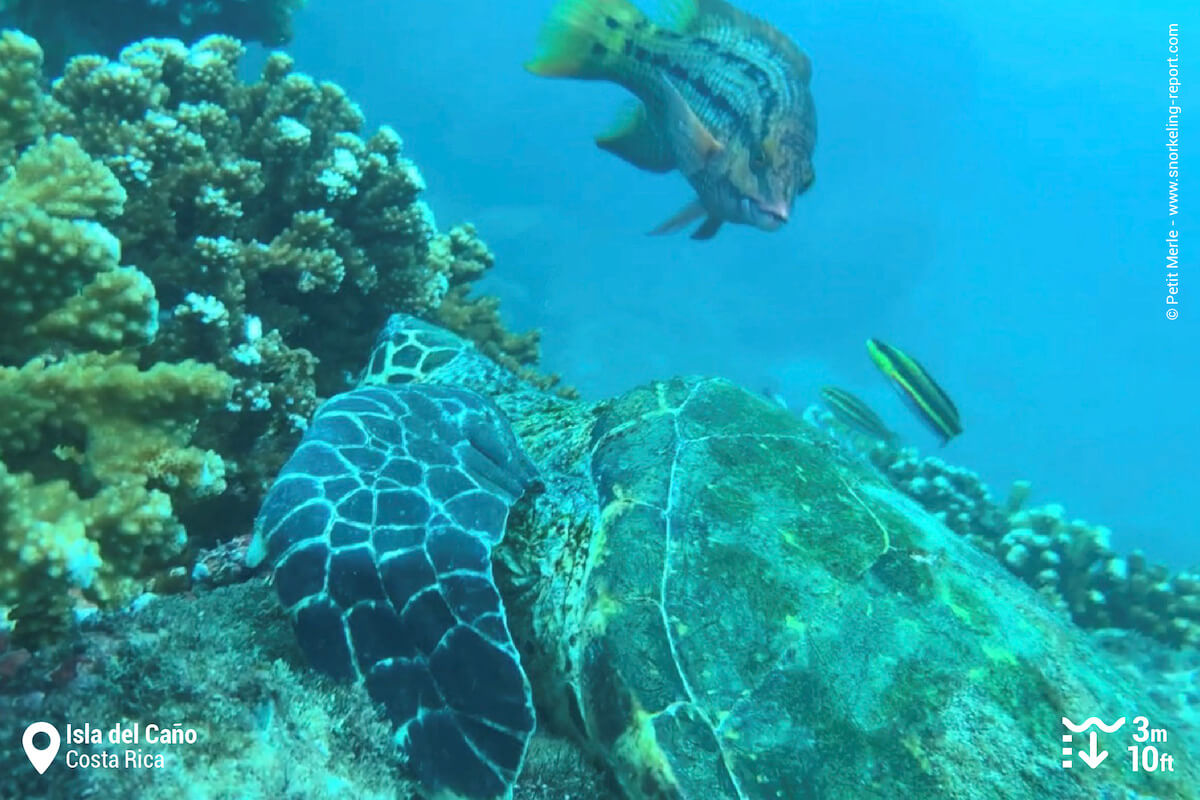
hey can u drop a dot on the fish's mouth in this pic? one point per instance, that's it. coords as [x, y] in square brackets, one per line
[768, 216]
[779, 215]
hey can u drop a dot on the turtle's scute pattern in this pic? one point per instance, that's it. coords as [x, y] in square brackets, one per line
[409, 349]
[381, 528]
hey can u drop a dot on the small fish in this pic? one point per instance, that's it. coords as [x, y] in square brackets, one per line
[722, 97]
[856, 414]
[918, 388]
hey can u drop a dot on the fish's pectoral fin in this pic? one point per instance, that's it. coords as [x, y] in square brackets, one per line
[686, 215]
[708, 230]
[635, 138]
[689, 138]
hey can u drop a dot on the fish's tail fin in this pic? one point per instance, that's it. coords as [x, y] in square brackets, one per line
[581, 36]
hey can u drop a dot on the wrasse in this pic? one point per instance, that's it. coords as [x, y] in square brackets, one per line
[856, 414]
[918, 388]
[722, 97]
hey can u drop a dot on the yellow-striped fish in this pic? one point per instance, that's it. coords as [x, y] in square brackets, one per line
[918, 388]
[722, 97]
[856, 414]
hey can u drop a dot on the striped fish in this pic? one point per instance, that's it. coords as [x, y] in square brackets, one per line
[722, 97]
[856, 414]
[918, 388]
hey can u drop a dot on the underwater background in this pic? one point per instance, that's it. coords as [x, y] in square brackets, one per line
[349, 415]
[990, 196]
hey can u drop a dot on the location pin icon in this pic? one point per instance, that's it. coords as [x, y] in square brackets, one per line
[41, 757]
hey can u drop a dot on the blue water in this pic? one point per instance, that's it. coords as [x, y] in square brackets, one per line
[990, 197]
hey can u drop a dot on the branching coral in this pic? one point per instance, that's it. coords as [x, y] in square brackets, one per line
[1073, 563]
[953, 494]
[271, 239]
[51, 249]
[68, 27]
[20, 92]
[118, 436]
[94, 450]
[1069, 562]
[277, 236]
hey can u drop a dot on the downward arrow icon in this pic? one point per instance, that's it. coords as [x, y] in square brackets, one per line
[1091, 758]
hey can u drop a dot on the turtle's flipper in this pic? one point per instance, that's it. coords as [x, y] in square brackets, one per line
[381, 528]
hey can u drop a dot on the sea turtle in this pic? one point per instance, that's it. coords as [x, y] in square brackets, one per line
[702, 590]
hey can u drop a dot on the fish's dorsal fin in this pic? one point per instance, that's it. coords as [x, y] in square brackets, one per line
[700, 16]
[681, 16]
[635, 138]
[693, 16]
[708, 230]
[686, 215]
[691, 142]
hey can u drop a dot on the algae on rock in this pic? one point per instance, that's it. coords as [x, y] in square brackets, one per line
[225, 664]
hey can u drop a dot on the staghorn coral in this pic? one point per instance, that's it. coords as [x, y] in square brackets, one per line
[68, 27]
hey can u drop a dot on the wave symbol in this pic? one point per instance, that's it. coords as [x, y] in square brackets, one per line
[1090, 721]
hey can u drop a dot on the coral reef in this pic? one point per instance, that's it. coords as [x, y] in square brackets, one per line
[105, 449]
[20, 92]
[694, 572]
[1072, 562]
[954, 495]
[277, 237]
[95, 452]
[70, 27]
[940, 678]
[188, 263]
[1069, 562]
